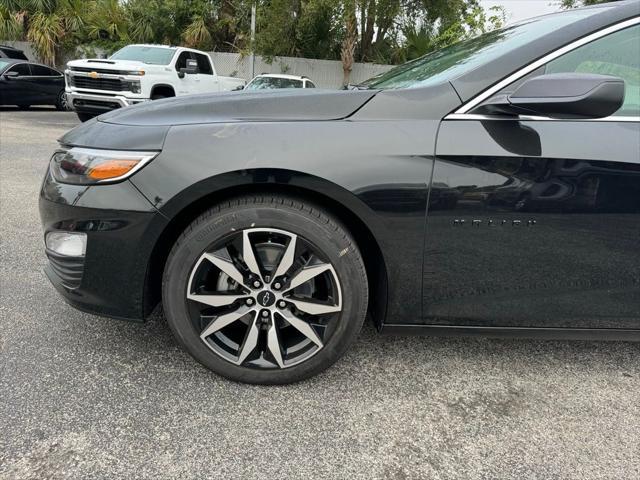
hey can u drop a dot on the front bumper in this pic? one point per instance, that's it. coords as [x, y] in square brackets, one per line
[111, 279]
[98, 103]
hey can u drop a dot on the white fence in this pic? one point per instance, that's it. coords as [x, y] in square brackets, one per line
[324, 73]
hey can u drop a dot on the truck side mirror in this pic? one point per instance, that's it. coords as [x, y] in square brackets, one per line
[191, 68]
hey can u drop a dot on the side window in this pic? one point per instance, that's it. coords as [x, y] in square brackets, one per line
[42, 71]
[22, 69]
[181, 62]
[617, 54]
[204, 64]
[310, 84]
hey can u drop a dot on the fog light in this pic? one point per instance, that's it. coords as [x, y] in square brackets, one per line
[72, 244]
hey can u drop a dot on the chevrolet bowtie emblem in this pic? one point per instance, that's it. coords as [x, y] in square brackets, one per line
[93, 74]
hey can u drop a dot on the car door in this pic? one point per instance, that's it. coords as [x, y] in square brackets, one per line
[207, 80]
[535, 222]
[16, 89]
[190, 83]
[46, 84]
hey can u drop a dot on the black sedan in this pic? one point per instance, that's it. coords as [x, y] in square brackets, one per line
[491, 187]
[25, 84]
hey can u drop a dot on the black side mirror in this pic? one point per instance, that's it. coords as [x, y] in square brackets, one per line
[192, 68]
[12, 74]
[561, 95]
[239, 87]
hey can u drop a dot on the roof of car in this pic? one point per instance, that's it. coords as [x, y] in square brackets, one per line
[282, 75]
[157, 45]
[13, 61]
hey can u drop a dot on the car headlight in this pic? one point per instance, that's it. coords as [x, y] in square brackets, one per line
[135, 72]
[84, 166]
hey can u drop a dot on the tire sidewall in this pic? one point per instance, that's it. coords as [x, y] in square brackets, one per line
[333, 243]
[61, 102]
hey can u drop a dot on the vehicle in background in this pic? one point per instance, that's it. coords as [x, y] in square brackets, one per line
[138, 73]
[7, 51]
[26, 83]
[273, 81]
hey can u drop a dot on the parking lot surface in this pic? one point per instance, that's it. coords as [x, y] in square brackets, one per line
[89, 397]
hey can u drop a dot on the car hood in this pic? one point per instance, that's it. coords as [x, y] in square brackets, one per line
[102, 63]
[273, 106]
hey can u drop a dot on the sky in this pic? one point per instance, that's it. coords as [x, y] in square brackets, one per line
[520, 9]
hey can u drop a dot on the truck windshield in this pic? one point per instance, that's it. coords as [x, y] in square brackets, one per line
[140, 53]
[457, 59]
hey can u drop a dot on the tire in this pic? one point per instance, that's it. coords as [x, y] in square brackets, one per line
[61, 102]
[83, 117]
[24, 107]
[339, 293]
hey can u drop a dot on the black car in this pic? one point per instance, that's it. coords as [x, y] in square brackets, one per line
[7, 51]
[270, 225]
[25, 84]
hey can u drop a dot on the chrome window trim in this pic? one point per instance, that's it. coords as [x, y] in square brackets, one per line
[481, 97]
[534, 118]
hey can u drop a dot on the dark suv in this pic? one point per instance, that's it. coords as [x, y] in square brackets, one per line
[7, 51]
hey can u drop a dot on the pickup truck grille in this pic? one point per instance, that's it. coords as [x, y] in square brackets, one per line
[110, 84]
[99, 70]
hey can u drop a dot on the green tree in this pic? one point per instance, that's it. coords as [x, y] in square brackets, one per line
[50, 25]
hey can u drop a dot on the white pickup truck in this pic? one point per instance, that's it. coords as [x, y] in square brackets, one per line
[137, 73]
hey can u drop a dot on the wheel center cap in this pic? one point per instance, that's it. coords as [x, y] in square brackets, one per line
[266, 298]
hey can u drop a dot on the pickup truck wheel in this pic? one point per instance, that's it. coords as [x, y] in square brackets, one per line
[265, 289]
[83, 117]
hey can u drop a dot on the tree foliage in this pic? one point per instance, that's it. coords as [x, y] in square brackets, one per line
[384, 31]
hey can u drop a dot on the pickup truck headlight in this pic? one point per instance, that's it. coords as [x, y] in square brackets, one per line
[135, 72]
[134, 86]
[85, 166]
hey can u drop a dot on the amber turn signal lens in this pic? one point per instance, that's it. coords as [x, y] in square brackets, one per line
[89, 166]
[111, 169]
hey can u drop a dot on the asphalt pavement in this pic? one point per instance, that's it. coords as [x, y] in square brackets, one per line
[89, 397]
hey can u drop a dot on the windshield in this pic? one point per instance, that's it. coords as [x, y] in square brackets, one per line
[3, 64]
[267, 83]
[140, 53]
[451, 62]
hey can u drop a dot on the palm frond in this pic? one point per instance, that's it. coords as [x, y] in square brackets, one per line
[11, 24]
[46, 33]
[197, 34]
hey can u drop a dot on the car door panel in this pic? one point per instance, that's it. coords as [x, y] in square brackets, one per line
[534, 224]
[16, 89]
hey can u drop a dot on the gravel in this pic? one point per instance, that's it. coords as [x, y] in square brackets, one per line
[88, 397]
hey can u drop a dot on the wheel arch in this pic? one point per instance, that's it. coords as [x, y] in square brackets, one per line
[164, 88]
[188, 211]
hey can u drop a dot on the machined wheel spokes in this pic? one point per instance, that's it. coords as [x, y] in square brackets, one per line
[265, 298]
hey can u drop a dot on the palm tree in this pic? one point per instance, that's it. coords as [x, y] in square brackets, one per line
[47, 24]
